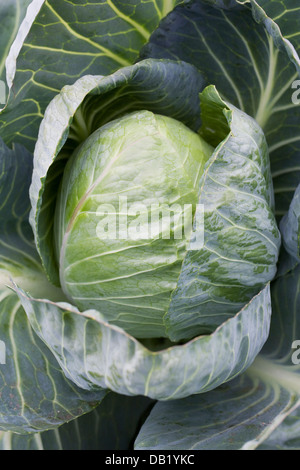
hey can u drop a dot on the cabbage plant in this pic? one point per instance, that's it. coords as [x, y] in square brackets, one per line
[149, 239]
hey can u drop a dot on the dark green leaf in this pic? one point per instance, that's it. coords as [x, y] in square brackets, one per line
[284, 13]
[113, 425]
[35, 394]
[286, 436]
[290, 227]
[62, 41]
[12, 14]
[242, 59]
[235, 416]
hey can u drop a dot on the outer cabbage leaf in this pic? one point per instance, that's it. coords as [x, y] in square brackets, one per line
[35, 395]
[241, 239]
[18, 256]
[281, 19]
[235, 416]
[253, 67]
[60, 41]
[85, 347]
[111, 426]
[12, 14]
[286, 436]
[290, 227]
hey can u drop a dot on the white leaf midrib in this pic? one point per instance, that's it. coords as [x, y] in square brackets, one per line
[288, 377]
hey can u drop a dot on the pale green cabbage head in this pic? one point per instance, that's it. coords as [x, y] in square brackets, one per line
[124, 219]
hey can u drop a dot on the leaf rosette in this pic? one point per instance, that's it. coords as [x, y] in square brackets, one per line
[185, 303]
[181, 106]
